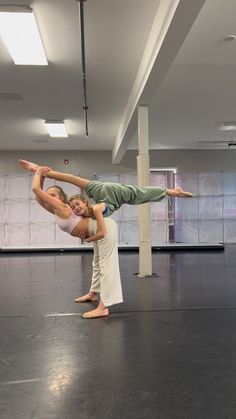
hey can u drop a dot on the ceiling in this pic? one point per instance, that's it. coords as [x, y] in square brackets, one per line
[171, 55]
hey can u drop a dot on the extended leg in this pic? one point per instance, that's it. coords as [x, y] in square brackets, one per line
[110, 283]
[111, 290]
[154, 194]
[52, 174]
[31, 167]
[95, 284]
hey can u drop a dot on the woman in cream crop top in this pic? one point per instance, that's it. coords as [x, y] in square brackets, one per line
[106, 275]
[68, 224]
[55, 201]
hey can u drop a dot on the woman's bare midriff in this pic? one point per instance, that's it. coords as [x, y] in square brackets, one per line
[81, 227]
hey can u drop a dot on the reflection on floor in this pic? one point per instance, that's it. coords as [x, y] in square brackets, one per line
[168, 352]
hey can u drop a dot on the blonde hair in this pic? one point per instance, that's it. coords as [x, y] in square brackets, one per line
[83, 199]
[61, 193]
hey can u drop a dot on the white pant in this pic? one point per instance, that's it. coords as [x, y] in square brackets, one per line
[106, 271]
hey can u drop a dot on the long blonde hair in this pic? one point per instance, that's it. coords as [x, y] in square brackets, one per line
[61, 193]
[83, 199]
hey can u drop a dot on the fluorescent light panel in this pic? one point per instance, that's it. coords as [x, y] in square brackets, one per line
[19, 31]
[227, 126]
[56, 129]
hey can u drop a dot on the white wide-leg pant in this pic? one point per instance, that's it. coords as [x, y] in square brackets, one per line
[106, 272]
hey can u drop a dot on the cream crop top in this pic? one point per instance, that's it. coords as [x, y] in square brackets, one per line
[68, 224]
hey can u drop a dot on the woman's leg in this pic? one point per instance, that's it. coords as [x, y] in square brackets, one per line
[95, 284]
[117, 194]
[110, 282]
[52, 174]
[111, 290]
[129, 194]
[100, 311]
[144, 194]
[90, 296]
[28, 165]
[136, 195]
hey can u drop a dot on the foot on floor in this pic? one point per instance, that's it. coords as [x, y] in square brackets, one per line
[91, 296]
[94, 314]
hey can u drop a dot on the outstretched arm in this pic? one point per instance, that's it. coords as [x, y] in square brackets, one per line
[48, 202]
[40, 201]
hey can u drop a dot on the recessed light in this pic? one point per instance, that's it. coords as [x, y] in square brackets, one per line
[56, 129]
[230, 37]
[227, 126]
[19, 30]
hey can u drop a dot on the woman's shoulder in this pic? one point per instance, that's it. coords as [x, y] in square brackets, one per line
[64, 211]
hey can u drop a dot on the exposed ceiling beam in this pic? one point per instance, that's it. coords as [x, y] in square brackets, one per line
[173, 21]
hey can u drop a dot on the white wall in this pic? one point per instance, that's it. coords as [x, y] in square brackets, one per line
[82, 163]
[87, 163]
[195, 160]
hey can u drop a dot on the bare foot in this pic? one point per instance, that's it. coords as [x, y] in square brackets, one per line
[178, 191]
[91, 296]
[183, 194]
[32, 167]
[94, 314]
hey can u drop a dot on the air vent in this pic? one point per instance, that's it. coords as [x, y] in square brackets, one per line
[10, 96]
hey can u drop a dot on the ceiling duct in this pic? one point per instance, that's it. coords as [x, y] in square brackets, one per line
[82, 37]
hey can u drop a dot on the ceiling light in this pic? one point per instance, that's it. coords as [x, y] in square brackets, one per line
[230, 37]
[56, 129]
[19, 31]
[227, 126]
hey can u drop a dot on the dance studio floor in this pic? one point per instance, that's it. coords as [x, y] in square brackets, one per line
[168, 352]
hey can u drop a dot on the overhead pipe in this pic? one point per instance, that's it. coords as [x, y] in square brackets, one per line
[85, 106]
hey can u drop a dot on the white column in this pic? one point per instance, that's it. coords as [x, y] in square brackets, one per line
[143, 169]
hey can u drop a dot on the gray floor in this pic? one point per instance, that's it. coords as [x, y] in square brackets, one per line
[168, 352]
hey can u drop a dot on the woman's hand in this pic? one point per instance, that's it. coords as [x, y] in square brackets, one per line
[83, 233]
[95, 237]
[42, 170]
